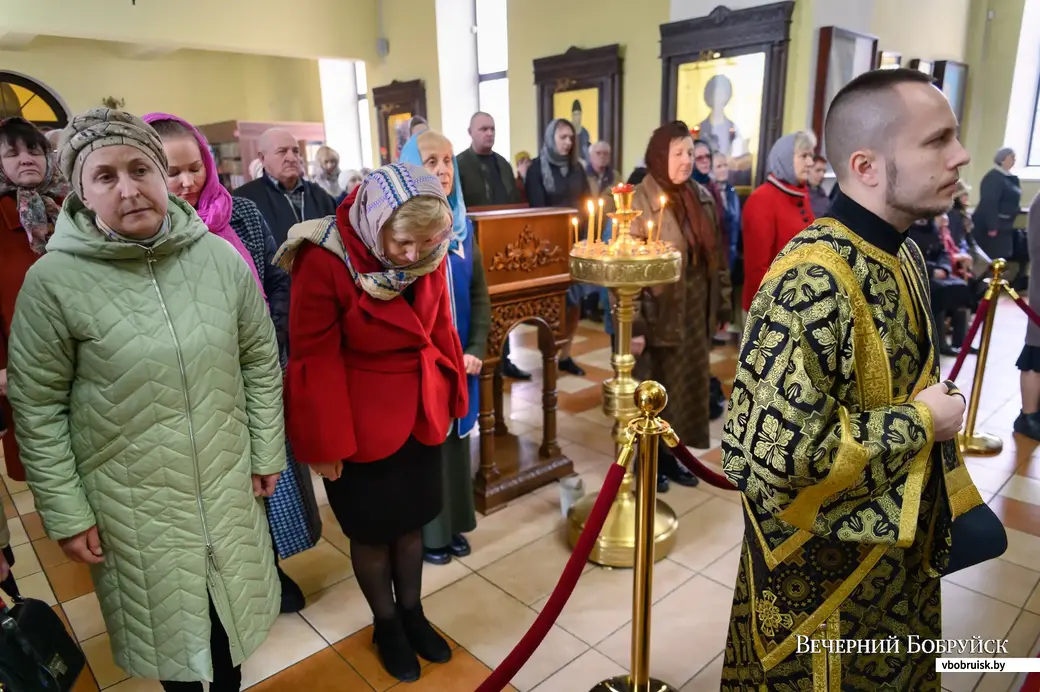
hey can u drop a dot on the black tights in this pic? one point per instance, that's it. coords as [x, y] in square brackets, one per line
[226, 677]
[390, 570]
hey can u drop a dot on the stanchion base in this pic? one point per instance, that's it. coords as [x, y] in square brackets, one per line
[616, 546]
[980, 444]
[622, 683]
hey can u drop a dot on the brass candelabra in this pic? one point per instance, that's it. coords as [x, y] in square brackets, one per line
[626, 265]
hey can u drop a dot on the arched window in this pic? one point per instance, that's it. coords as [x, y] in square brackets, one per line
[21, 96]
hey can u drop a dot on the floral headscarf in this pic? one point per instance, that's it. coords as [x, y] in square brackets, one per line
[38, 206]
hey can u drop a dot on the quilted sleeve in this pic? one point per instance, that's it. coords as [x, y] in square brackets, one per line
[262, 376]
[40, 372]
[320, 415]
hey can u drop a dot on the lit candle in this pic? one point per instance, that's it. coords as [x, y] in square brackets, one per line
[660, 216]
[574, 222]
[592, 219]
[599, 220]
[649, 232]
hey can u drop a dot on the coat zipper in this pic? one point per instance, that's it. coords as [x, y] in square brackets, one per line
[187, 408]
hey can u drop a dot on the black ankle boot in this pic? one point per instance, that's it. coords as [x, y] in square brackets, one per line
[423, 638]
[395, 653]
[292, 595]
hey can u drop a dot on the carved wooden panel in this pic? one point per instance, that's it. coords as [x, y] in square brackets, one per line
[505, 316]
[729, 33]
[526, 254]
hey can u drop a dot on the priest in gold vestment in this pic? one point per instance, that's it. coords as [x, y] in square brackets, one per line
[840, 436]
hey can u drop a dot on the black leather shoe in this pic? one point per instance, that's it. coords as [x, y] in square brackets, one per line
[510, 370]
[459, 546]
[439, 556]
[425, 640]
[680, 475]
[1028, 424]
[947, 350]
[662, 483]
[568, 365]
[292, 595]
[395, 651]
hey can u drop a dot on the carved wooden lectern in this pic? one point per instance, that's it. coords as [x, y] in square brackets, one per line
[525, 255]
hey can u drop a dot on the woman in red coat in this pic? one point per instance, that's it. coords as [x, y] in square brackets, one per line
[31, 193]
[778, 209]
[375, 378]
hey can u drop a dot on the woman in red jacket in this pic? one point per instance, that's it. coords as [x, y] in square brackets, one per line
[778, 209]
[31, 193]
[375, 378]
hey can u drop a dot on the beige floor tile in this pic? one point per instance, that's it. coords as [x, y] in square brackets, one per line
[531, 573]
[24, 502]
[1000, 579]
[600, 358]
[989, 479]
[98, 651]
[596, 415]
[319, 568]
[14, 486]
[572, 384]
[1020, 642]
[331, 531]
[1019, 488]
[707, 533]
[967, 614]
[136, 685]
[36, 586]
[510, 529]
[688, 630]
[84, 614]
[683, 500]
[1033, 604]
[582, 673]
[17, 529]
[338, 612]
[709, 679]
[488, 622]
[1023, 549]
[291, 640]
[437, 577]
[724, 570]
[25, 560]
[602, 601]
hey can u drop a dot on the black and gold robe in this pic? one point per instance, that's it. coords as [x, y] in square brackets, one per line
[847, 499]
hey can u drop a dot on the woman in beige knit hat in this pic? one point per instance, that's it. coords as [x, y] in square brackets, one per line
[148, 396]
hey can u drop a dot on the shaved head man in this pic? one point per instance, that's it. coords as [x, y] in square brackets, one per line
[892, 139]
[281, 193]
[842, 437]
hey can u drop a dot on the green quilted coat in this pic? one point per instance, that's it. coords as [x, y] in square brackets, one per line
[147, 390]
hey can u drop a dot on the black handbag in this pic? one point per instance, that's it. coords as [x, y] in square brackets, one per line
[37, 654]
[975, 536]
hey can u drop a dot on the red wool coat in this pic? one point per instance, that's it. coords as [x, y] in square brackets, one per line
[15, 259]
[773, 214]
[365, 374]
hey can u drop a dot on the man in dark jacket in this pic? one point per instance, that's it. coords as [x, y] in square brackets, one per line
[282, 195]
[487, 179]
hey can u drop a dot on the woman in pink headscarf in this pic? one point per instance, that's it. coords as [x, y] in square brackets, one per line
[293, 510]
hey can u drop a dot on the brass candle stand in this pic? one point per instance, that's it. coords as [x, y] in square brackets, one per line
[627, 265]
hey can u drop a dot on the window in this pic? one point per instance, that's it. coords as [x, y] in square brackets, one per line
[492, 65]
[364, 115]
[23, 97]
[1023, 119]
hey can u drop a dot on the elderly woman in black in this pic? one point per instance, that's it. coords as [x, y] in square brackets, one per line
[1000, 201]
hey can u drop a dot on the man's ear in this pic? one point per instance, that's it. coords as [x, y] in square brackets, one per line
[866, 167]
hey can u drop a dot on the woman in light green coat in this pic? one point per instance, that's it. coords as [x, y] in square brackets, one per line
[144, 369]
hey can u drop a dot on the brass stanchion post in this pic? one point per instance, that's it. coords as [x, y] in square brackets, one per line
[970, 441]
[648, 428]
[627, 265]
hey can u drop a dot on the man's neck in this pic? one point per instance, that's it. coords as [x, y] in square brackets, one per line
[893, 217]
[288, 183]
[600, 170]
[480, 150]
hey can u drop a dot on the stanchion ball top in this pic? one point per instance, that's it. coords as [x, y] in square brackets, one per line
[651, 397]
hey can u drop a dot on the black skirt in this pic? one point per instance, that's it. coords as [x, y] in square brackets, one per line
[377, 502]
[1029, 359]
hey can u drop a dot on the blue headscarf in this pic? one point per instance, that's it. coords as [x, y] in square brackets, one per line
[459, 228]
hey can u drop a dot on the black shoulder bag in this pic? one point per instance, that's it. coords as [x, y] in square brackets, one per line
[37, 654]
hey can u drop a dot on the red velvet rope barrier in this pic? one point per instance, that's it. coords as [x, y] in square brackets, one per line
[697, 468]
[520, 654]
[1032, 683]
[1030, 313]
[980, 314]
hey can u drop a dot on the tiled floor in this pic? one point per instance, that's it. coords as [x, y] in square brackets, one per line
[485, 602]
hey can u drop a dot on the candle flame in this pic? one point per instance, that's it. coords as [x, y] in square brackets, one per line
[591, 206]
[574, 220]
[664, 200]
[601, 202]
